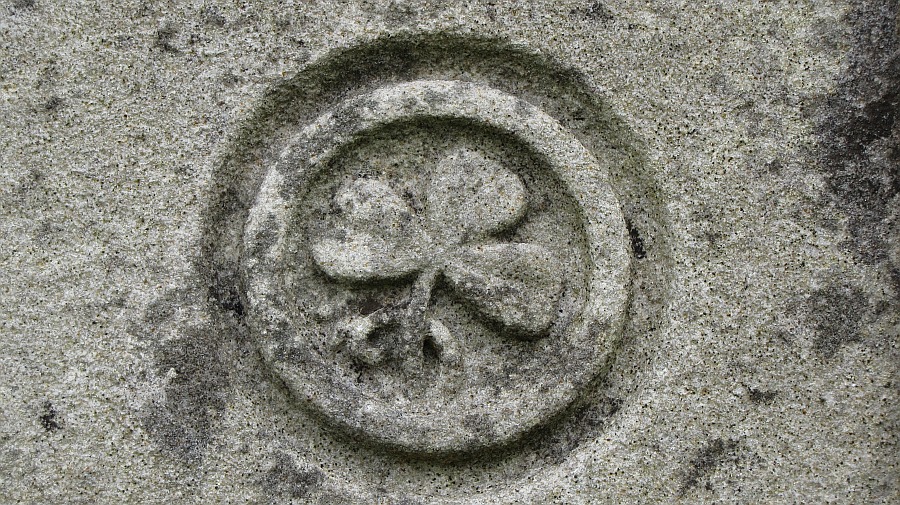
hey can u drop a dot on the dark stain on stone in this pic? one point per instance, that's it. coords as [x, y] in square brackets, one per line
[195, 368]
[637, 243]
[47, 231]
[479, 424]
[707, 460]
[599, 12]
[48, 74]
[53, 104]
[836, 314]
[491, 9]
[859, 134]
[761, 396]
[784, 338]
[595, 12]
[165, 38]
[292, 354]
[24, 4]
[211, 15]
[193, 396]
[225, 291]
[28, 183]
[286, 479]
[433, 98]
[157, 314]
[48, 417]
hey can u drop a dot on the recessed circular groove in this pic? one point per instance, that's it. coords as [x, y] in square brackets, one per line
[359, 230]
[359, 79]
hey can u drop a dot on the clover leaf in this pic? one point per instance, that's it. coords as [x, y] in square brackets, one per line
[469, 199]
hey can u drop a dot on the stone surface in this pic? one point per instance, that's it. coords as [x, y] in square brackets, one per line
[409, 252]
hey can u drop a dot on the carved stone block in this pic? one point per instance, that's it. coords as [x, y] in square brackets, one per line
[409, 252]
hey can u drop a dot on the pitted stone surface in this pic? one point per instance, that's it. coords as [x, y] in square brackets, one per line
[748, 151]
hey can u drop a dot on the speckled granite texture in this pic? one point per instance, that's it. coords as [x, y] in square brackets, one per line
[419, 252]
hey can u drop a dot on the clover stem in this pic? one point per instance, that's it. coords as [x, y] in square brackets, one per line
[421, 297]
[415, 327]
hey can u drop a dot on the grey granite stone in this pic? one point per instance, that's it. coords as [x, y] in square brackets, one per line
[407, 251]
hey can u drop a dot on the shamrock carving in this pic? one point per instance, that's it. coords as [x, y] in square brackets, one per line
[469, 200]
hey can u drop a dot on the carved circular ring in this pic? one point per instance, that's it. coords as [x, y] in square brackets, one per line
[436, 266]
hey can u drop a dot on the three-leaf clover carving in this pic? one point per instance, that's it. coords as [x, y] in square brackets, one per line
[469, 200]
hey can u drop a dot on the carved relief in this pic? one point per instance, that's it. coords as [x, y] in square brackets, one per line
[436, 266]
[380, 237]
